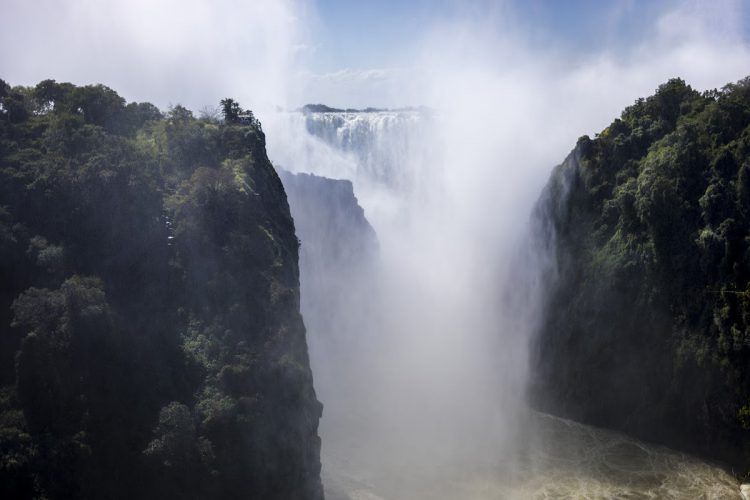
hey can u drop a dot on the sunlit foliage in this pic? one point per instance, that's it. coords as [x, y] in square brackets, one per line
[150, 338]
[648, 326]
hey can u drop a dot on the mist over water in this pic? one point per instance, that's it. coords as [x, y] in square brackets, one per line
[420, 353]
[434, 373]
[427, 398]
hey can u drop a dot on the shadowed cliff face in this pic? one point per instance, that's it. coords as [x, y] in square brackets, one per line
[646, 324]
[330, 223]
[339, 262]
[150, 298]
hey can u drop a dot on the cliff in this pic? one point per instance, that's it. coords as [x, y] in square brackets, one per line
[339, 258]
[647, 324]
[151, 340]
[331, 224]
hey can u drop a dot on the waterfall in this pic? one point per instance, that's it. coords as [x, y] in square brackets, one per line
[435, 373]
[379, 141]
[419, 336]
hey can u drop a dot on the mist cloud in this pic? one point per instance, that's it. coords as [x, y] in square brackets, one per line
[169, 51]
[450, 355]
[262, 51]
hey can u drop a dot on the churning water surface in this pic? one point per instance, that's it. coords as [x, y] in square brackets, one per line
[559, 459]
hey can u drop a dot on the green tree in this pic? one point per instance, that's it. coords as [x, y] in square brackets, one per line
[231, 110]
[653, 274]
[145, 260]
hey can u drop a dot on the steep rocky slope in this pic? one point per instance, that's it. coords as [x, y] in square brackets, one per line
[151, 341]
[647, 327]
[338, 244]
[339, 264]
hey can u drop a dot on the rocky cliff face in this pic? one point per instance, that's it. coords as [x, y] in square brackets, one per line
[338, 262]
[150, 300]
[335, 236]
[647, 323]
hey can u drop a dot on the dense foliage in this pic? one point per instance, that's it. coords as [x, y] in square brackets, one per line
[648, 324]
[151, 344]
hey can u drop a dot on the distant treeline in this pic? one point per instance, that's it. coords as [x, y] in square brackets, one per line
[322, 108]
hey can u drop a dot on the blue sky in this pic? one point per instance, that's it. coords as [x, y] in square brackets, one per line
[359, 53]
[366, 34]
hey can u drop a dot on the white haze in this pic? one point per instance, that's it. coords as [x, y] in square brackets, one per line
[438, 384]
[189, 52]
[441, 375]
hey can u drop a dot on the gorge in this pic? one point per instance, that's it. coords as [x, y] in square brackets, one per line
[163, 277]
[374, 250]
[347, 144]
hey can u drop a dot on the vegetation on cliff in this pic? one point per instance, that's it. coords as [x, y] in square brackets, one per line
[648, 323]
[151, 344]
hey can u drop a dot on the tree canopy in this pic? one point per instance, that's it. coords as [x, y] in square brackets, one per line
[151, 344]
[648, 324]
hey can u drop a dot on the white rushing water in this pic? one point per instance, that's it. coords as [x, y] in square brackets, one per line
[427, 399]
[377, 141]
[382, 153]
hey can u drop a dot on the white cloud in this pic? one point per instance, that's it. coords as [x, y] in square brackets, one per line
[357, 88]
[195, 52]
[188, 51]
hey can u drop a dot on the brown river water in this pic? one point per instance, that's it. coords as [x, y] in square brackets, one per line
[559, 460]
